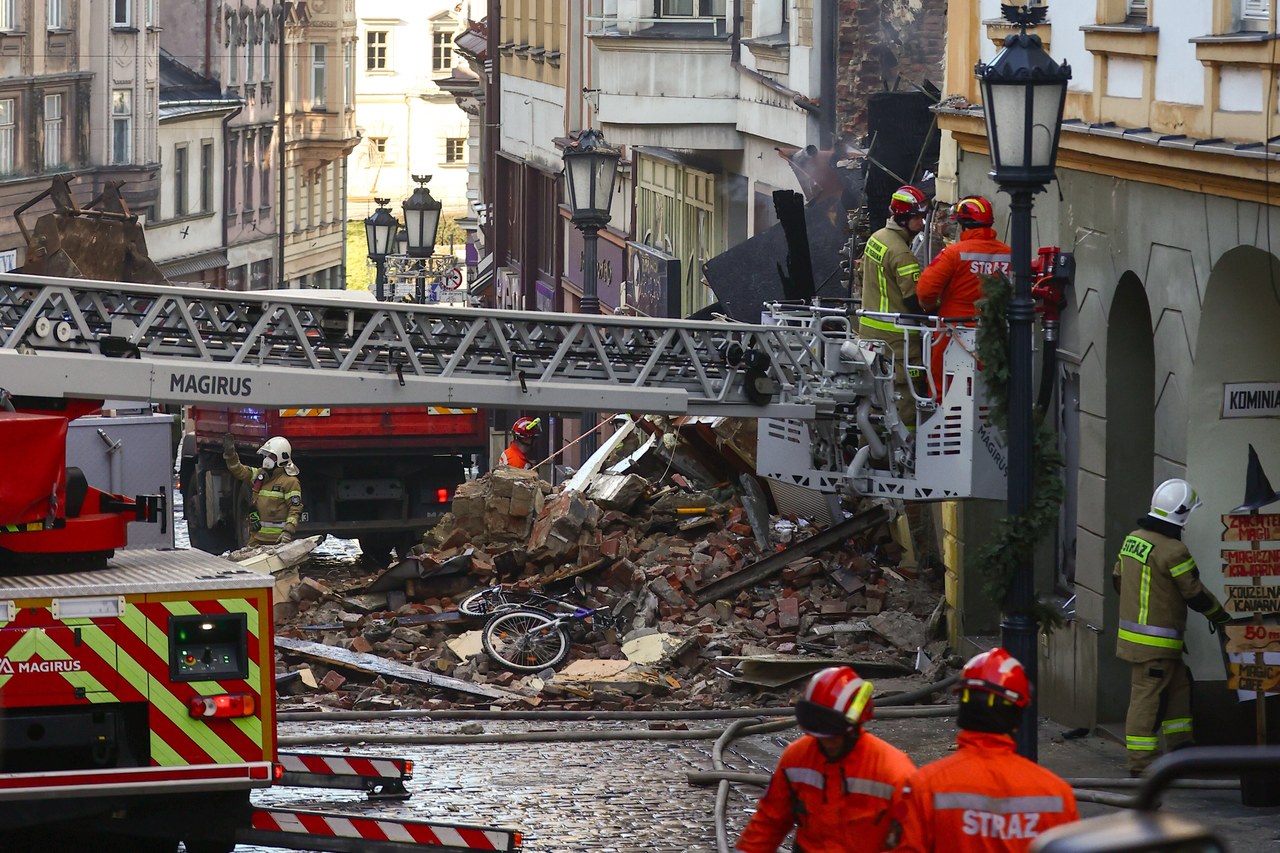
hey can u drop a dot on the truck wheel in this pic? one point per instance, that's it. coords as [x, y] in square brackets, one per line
[376, 548]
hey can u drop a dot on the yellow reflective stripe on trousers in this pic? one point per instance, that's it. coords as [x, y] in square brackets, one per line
[883, 325]
[1140, 743]
[1144, 640]
[1183, 567]
[1176, 725]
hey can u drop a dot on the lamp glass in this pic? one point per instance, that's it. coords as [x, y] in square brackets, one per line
[422, 220]
[590, 175]
[380, 232]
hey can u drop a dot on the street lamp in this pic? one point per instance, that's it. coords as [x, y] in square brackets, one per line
[590, 170]
[1023, 93]
[380, 235]
[421, 219]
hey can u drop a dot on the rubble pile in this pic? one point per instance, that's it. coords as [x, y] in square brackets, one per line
[663, 554]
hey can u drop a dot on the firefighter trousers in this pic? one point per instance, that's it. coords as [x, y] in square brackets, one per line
[906, 402]
[1159, 703]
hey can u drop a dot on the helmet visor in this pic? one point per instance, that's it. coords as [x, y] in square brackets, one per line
[818, 721]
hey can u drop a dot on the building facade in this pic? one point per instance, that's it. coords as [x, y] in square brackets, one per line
[1166, 194]
[78, 93]
[408, 124]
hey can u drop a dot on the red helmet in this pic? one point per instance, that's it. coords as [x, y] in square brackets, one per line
[974, 212]
[835, 701]
[527, 427]
[996, 672]
[908, 201]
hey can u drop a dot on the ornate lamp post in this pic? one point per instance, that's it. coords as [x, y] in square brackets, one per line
[380, 235]
[1023, 93]
[421, 219]
[590, 170]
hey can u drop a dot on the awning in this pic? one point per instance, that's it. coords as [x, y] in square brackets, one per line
[483, 276]
[193, 264]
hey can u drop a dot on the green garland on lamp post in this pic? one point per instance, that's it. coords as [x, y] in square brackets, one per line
[1014, 540]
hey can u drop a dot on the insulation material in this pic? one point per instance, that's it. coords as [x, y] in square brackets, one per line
[33, 450]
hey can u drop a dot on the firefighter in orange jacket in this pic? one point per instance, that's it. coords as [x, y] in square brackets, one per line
[1157, 579]
[952, 284]
[523, 432]
[983, 798]
[834, 784]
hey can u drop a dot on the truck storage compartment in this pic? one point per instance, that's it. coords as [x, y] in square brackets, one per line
[88, 738]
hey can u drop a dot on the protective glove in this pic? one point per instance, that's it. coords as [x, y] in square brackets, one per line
[285, 536]
[228, 445]
[1218, 619]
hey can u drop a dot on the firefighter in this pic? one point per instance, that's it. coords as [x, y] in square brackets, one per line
[984, 796]
[889, 275]
[1157, 579]
[523, 433]
[952, 283]
[277, 494]
[835, 783]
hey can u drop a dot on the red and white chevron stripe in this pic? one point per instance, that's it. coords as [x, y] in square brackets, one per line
[381, 829]
[342, 765]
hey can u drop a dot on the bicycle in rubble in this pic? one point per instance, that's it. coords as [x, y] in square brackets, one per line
[499, 598]
[527, 639]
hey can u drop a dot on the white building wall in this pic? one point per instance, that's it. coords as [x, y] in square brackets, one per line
[1179, 22]
[170, 235]
[532, 117]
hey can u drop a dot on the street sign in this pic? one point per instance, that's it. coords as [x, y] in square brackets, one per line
[453, 279]
[1253, 676]
[1252, 599]
[1251, 528]
[1239, 563]
[1253, 638]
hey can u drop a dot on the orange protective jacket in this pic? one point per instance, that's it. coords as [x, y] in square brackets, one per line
[984, 798]
[836, 806]
[952, 284]
[514, 457]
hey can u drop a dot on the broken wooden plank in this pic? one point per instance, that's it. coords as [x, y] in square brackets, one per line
[374, 665]
[773, 564]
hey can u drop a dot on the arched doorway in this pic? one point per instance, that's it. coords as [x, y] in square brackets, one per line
[1130, 448]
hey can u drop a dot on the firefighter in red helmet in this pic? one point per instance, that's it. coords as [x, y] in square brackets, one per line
[984, 797]
[889, 275]
[952, 283]
[523, 433]
[835, 783]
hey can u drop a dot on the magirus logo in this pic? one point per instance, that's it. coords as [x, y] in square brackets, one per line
[27, 667]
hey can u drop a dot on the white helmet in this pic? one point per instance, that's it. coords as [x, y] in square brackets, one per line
[276, 451]
[1173, 501]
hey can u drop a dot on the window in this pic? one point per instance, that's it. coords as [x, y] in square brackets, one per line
[250, 60]
[266, 47]
[8, 128]
[318, 85]
[151, 13]
[53, 15]
[121, 126]
[1254, 14]
[233, 59]
[349, 75]
[206, 175]
[121, 13]
[264, 197]
[691, 8]
[441, 51]
[180, 177]
[250, 162]
[233, 169]
[377, 150]
[8, 14]
[454, 149]
[376, 50]
[52, 132]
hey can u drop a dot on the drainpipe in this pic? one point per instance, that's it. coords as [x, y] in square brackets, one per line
[226, 232]
[735, 40]
[208, 39]
[830, 56]
[282, 92]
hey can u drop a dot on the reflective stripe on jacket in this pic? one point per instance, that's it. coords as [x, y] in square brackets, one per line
[277, 497]
[984, 798]
[889, 275]
[1157, 578]
[836, 806]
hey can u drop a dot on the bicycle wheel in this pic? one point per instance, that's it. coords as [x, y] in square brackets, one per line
[483, 603]
[525, 640]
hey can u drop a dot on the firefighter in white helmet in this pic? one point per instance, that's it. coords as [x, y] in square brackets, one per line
[277, 494]
[1157, 579]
